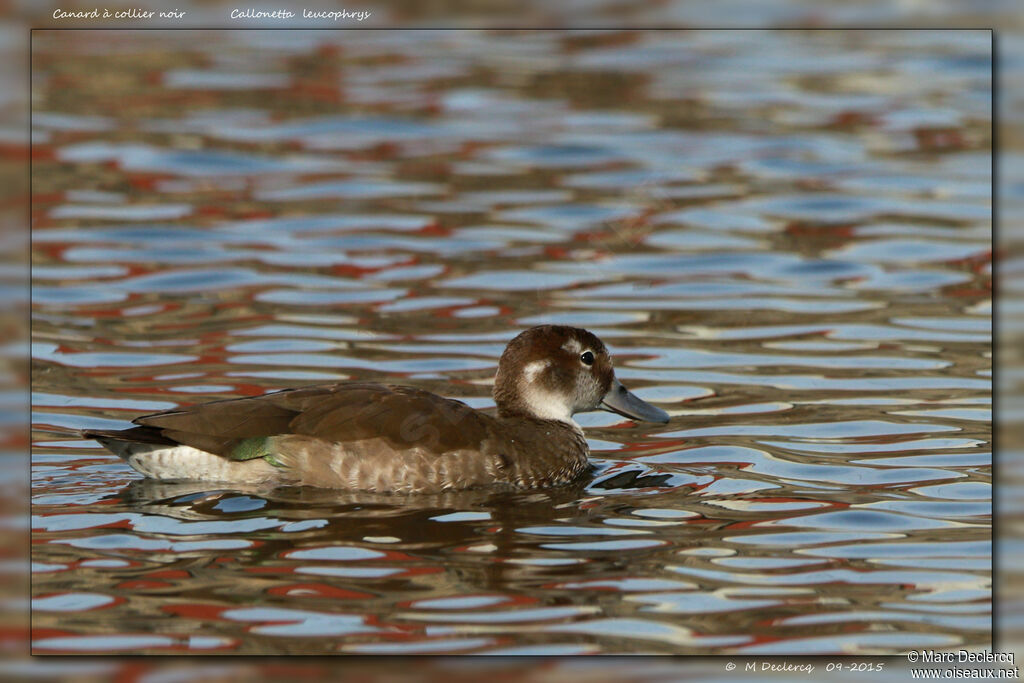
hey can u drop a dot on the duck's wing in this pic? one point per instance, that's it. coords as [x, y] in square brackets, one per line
[404, 417]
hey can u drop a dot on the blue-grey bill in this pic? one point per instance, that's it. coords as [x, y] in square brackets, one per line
[620, 400]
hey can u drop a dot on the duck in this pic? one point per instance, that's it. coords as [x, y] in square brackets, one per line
[386, 438]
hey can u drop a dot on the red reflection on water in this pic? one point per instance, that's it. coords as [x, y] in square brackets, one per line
[170, 574]
[433, 229]
[940, 139]
[195, 611]
[148, 182]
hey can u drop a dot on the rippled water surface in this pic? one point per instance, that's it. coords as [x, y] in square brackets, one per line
[784, 237]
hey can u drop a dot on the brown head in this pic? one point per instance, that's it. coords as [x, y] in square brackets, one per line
[554, 371]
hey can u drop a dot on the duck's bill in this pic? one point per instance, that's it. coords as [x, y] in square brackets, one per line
[620, 400]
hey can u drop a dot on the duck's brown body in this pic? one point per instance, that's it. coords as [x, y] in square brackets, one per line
[375, 437]
[362, 436]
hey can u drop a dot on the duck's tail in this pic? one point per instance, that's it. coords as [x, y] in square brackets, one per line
[127, 442]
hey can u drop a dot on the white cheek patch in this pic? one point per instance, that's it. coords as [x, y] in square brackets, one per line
[548, 405]
[531, 370]
[545, 404]
[573, 346]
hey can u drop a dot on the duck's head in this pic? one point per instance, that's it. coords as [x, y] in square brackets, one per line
[553, 371]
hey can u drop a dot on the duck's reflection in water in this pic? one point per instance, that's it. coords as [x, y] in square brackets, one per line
[487, 539]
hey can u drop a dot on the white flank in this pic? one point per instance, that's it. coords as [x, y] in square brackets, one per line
[185, 462]
[178, 462]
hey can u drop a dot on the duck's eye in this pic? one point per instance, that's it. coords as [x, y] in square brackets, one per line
[587, 357]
